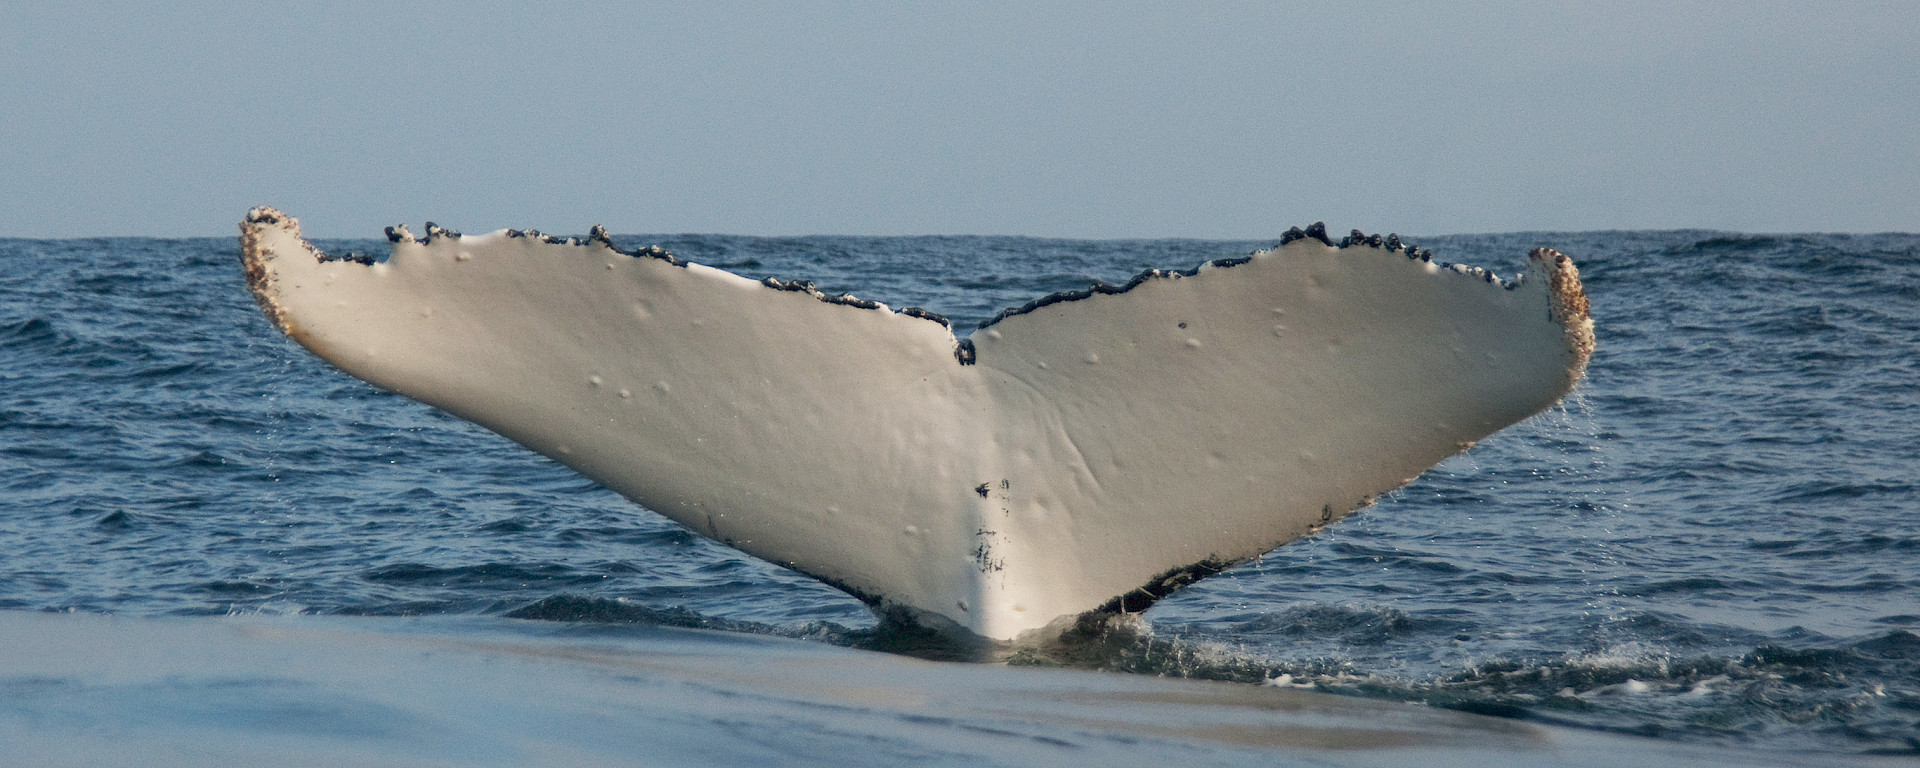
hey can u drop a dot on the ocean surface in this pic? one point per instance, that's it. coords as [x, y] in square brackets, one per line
[1716, 540]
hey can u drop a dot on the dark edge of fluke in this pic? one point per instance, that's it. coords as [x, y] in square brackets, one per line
[1140, 598]
[965, 353]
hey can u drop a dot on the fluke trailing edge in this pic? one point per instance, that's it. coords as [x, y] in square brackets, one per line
[1089, 451]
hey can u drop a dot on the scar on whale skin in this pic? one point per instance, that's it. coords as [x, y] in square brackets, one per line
[1168, 461]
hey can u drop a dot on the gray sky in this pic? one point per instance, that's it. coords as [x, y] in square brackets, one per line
[1078, 120]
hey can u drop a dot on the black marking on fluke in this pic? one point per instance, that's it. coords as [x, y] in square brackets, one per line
[1143, 597]
[925, 315]
[536, 235]
[851, 300]
[598, 234]
[983, 552]
[965, 353]
[1392, 242]
[1318, 232]
[1361, 238]
[872, 599]
[807, 287]
[1104, 288]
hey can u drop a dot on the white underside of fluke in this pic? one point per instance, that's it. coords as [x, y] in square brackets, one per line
[1095, 453]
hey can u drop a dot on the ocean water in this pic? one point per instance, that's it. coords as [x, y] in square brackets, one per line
[1716, 540]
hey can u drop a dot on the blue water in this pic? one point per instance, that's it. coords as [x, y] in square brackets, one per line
[1717, 539]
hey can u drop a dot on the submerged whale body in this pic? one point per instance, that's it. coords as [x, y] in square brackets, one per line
[1091, 451]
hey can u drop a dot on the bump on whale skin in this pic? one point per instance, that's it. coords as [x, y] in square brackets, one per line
[1092, 450]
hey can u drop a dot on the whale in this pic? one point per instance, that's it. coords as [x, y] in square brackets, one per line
[1085, 454]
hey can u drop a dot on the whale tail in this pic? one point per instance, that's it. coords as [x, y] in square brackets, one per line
[1092, 450]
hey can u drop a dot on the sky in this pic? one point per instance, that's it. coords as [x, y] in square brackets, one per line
[1087, 120]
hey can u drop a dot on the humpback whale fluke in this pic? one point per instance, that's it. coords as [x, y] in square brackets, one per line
[1091, 450]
